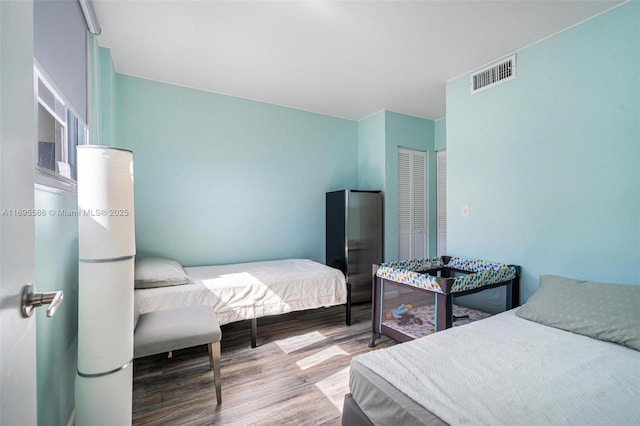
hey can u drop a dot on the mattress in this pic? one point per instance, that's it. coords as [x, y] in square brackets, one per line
[385, 404]
[500, 370]
[251, 290]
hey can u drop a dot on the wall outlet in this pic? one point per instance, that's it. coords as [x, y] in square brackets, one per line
[464, 210]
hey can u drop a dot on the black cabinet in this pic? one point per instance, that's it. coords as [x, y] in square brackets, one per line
[354, 239]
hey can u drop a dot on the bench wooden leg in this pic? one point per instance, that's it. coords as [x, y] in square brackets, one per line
[214, 359]
[210, 347]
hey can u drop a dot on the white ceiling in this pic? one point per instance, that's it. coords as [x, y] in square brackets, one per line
[347, 59]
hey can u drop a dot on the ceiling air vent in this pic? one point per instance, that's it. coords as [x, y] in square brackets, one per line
[494, 75]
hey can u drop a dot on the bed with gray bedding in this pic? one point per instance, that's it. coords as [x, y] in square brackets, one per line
[571, 355]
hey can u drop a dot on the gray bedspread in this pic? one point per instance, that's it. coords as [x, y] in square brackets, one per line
[505, 370]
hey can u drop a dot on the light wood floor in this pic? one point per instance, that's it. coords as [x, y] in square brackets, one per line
[297, 375]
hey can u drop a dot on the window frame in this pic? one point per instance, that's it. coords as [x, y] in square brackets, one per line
[46, 178]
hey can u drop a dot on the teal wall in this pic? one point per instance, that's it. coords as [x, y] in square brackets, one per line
[379, 137]
[440, 134]
[550, 162]
[221, 179]
[371, 152]
[103, 102]
[107, 101]
[415, 133]
[56, 256]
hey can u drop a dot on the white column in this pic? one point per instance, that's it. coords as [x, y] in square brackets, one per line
[105, 297]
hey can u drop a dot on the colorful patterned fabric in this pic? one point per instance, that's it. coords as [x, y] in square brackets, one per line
[404, 271]
[482, 273]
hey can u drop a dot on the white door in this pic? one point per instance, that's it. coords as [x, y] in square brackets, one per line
[17, 124]
[412, 204]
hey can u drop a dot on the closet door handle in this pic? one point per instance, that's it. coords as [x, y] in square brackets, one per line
[32, 299]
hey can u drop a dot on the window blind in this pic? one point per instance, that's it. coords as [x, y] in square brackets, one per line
[60, 46]
[412, 204]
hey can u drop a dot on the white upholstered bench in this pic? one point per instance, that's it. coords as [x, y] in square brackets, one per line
[179, 328]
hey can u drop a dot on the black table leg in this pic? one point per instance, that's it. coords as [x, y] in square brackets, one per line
[348, 321]
[254, 332]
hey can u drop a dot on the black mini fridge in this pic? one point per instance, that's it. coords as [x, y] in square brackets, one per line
[354, 239]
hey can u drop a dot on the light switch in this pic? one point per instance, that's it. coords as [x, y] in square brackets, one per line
[464, 210]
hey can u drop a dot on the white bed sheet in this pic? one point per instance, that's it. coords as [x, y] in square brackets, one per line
[251, 290]
[508, 370]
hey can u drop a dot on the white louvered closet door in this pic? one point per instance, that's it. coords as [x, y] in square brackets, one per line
[412, 204]
[442, 202]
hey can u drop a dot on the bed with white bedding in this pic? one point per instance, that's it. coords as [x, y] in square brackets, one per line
[568, 356]
[248, 291]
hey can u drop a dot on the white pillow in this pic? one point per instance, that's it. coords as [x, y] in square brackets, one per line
[153, 272]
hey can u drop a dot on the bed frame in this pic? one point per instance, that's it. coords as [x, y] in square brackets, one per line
[562, 358]
[286, 281]
[352, 415]
[443, 279]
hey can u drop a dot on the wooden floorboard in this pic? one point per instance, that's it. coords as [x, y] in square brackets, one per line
[297, 375]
